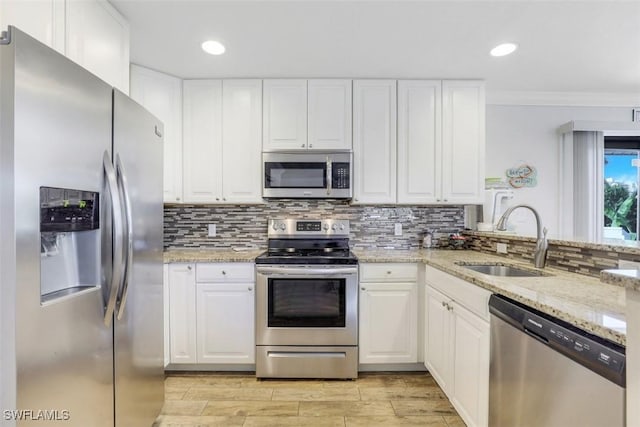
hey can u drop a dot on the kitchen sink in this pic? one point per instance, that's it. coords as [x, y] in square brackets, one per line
[502, 270]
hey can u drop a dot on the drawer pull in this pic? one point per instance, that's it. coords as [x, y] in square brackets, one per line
[250, 288]
[189, 267]
[389, 272]
[224, 272]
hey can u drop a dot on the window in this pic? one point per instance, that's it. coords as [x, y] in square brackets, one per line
[621, 178]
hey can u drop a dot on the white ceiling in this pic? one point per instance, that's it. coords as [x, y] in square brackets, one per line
[565, 46]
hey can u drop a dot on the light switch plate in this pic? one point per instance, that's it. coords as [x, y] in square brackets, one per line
[501, 248]
[212, 230]
[398, 229]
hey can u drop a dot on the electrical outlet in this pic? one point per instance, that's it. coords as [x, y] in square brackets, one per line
[212, 230]
[628, 265]
[398, 229]
[501, 248]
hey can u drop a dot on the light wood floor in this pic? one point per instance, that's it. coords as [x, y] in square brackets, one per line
[374, 399]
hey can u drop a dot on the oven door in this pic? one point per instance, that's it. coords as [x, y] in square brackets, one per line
[307, 305]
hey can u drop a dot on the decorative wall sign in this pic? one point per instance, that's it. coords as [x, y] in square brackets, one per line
[522, 176]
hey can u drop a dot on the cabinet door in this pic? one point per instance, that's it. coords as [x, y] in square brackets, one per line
[182, 313]
[419, 141]
[470, 366]
[388, 323]
[329, 114]
[374, 141]
[241, 141]
[226, 323]
[166, 326]
[97, 38]
[284, 115]
[463, 136]
[42, 20]
[202, 141]
[161, 94]
[438, 345]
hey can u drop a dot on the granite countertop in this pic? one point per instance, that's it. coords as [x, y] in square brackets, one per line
[211, 255]
[629, 279]
[583, 301]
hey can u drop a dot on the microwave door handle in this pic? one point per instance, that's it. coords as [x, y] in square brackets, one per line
[329, 175]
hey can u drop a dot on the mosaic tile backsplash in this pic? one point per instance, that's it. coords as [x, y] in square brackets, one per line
[245, 226]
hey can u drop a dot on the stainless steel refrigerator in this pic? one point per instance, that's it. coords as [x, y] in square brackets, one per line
[80, 246]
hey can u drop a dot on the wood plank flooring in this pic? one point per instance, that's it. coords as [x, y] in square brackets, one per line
[374, 399]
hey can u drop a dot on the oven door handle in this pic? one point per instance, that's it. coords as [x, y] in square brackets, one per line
[292, 271]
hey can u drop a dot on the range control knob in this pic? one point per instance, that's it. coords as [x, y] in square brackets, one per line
[325, 226]
[334, 227]
[275, 226]
[282, 226]
[341, 226]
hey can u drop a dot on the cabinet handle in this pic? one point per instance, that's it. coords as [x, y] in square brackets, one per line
[364, 289]
[177, 199]
[224, 272]
[444, 304]
[310, 145]
[189, 267]
[437, 200]
[217, 199]
[445, 200]
[225, 199]
[303, 145]
[250, 288]
[389, 272]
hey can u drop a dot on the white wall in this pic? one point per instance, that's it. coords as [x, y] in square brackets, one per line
[517, 134]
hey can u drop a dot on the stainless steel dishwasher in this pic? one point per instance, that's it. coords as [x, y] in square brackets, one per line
[545, 372]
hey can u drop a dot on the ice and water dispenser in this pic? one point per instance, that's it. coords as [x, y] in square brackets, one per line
[69, 242]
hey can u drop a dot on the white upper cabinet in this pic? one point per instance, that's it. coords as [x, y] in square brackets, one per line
[222, 129]
[42, 20]
[374, 141]
[90, 32]
[241, 140]
[463, 141]
[285, 115]
[329, 114]
[306, 115]
[419, 136]
[202, 141]
[161, 94]
[97, 38]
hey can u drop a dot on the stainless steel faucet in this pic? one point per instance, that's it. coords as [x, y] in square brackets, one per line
[540, 254]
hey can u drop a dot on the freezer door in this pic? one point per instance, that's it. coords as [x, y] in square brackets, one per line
[139, 351]
[61, 129]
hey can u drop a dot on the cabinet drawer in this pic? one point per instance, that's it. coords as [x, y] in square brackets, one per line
[472, 297]
[225, 272]
[389, 272]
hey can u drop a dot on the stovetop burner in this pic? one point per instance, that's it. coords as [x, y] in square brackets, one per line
[308, 242]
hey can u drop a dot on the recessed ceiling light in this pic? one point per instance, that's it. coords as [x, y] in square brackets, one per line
[503, 49]
[213, 47]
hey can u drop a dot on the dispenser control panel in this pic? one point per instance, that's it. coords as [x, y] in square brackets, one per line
[64, 209]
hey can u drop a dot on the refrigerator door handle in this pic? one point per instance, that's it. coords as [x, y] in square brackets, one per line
[118, 234]
[128, 228]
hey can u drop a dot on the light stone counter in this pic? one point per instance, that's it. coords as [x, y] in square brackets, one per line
[580, 300]
[211, 255]
[626, 278]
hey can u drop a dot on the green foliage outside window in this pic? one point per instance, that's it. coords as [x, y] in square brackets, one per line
[620, 207]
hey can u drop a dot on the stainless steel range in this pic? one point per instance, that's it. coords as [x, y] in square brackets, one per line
[307, 301]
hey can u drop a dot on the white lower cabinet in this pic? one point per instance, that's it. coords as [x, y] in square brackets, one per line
[182, 313]
[211, 313]
[457, 343]
[388, 313]
[225, 318]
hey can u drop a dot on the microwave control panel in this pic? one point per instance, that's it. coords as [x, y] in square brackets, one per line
[341, 176]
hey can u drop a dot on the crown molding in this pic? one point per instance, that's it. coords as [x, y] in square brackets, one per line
[577, 99]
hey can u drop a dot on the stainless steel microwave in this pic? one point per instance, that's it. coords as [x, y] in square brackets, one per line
[307, 175]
